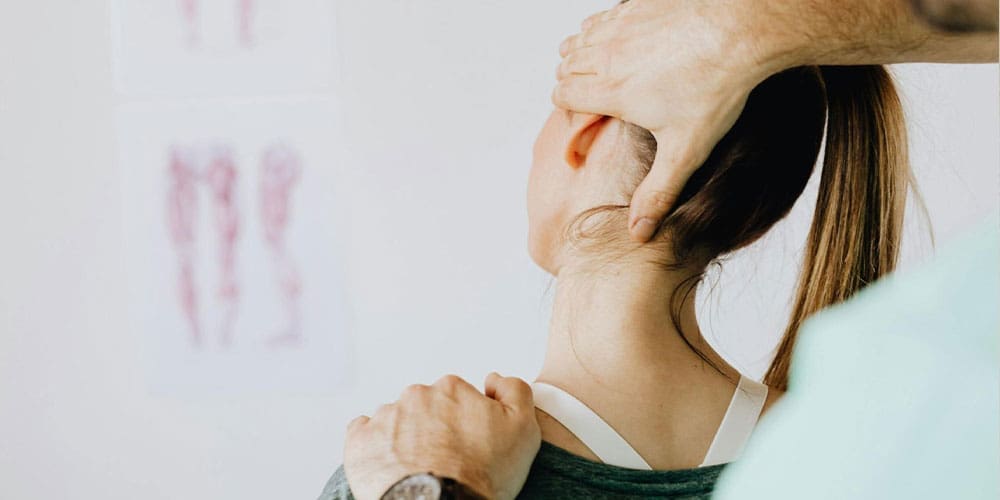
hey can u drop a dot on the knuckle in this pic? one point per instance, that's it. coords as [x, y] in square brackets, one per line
[450, 381]
[563, 69]
[414, 391]
[518, 385]
[355, 424]
[385, 410]
[572, 42]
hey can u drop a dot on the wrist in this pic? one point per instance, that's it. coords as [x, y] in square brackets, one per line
[459, 469]
[763, 40]
[476, 480]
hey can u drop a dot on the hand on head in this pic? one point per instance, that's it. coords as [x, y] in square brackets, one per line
[628, 63]
[685, 81]
[683, 70]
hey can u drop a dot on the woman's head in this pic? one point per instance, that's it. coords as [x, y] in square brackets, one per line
[586, 168]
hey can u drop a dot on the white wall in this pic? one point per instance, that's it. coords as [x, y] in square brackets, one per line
[444, 101]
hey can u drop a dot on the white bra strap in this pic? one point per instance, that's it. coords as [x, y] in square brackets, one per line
[587, 426]
[738, 423]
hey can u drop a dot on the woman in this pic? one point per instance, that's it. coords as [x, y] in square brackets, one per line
[624, 339]
[628, 382]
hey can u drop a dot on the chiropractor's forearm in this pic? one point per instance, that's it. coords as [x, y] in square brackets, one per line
[850, 32]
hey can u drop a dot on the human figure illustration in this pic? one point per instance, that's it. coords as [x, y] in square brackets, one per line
[244, 17]
[243, 14]
[182, 213]
[220, 175]
[280, 171]
[189, 14]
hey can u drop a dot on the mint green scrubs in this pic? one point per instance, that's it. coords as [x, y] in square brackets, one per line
[893, 394]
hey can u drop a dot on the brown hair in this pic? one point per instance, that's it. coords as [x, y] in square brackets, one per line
[753, 177]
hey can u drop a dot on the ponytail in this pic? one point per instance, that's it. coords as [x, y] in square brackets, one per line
[856, 229]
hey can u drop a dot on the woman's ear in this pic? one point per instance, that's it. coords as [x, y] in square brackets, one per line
[583, 131]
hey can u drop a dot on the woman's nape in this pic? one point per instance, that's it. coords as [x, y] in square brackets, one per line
[612, 338]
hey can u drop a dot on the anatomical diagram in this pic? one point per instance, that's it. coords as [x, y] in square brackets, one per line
[207, 177]
[182, 212]
[280, 169]
[212, 167]
[220, 178]
[242, 15]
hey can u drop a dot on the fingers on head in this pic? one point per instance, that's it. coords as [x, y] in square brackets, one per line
[570, 44]
[605, 15]
[598, 35]
[586, 61]
[577, 42]
[658, 192]
[586, 94]
[654, 199]
[593, 19]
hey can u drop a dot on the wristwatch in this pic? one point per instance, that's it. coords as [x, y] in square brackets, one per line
[427, 486]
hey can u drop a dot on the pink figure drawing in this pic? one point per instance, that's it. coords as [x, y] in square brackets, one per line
[189, 12]
[182, 212]
[220, 175]
[280, 170]
[244, 17]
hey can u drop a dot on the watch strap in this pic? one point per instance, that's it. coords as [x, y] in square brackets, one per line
[452, 489]
[449, 488]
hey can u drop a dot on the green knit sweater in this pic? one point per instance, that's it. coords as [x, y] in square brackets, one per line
[558, 474]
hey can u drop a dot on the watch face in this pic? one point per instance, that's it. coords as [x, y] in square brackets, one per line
[416, 487]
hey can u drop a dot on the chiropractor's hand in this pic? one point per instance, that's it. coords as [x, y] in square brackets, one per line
[682, 70]
[486, 442]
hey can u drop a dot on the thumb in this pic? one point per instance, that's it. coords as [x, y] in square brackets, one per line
[511, 392]
[658, 192]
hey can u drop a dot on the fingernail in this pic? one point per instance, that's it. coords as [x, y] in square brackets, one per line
[643, 229]
[562, 46]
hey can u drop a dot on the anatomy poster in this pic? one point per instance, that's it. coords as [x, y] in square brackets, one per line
[232, 243]
[190, 48]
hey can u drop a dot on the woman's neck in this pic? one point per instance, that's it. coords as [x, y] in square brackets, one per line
[614, 344]
[614, 326]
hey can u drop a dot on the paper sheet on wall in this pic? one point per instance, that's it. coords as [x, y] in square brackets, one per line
[232, 244]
